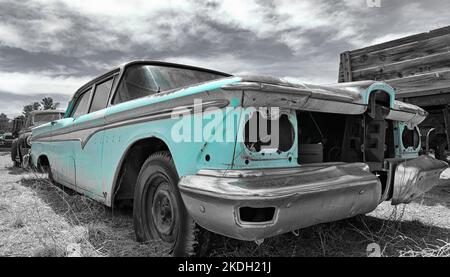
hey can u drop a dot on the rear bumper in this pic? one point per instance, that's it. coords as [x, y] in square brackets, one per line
[300, 197]
[7, 143]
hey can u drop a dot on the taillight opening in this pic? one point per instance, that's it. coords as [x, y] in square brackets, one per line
[262, 133]
[410, 138]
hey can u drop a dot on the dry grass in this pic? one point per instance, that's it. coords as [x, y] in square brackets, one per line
[350, 237]
[106, 232]
[40, 219]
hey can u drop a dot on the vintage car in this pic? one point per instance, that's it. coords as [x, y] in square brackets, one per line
[22, 144]
[6, 139]
[2, 139]
[342, 149]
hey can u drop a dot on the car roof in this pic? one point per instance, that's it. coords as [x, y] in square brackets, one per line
[122, 66]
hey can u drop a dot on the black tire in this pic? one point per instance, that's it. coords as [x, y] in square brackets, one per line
[14, 150]
[159, 212]
[19, 152]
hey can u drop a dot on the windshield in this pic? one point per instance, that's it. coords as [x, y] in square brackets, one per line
[143, 80]
[42, 118]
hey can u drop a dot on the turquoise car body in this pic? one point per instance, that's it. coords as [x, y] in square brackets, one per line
[86, 153]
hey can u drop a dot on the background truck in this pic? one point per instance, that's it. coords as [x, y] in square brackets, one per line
[17, 125]
[418, 67]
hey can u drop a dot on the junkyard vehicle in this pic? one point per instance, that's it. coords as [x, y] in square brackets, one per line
[417, 67]
[2, 139]
[342, 150]
[22, 144]
[17, 125]
[7, 139]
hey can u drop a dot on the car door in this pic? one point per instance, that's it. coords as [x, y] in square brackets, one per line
[65, 140]
[89, 153]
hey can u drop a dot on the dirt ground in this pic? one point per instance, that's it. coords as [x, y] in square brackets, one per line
[40, 219]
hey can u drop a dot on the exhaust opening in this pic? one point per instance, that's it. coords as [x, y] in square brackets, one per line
[256, 215]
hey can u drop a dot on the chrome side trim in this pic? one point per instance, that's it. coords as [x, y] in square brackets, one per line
[84, 134]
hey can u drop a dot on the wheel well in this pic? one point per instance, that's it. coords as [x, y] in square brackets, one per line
[132, 161]
[43, 163]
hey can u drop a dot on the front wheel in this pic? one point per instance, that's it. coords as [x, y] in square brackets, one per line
[14, 152]
[159, 212]
[46, 169]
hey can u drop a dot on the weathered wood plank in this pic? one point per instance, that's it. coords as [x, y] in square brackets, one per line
[427, 64]
[427, 101]
[341, 72]
[401, 41]
[346, 67]
[420, 85]
[416, 66]
[400, 53]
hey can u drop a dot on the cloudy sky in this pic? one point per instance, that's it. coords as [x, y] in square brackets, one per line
[53, 47]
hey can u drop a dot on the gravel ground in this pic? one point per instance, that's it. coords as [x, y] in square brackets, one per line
[40, 219]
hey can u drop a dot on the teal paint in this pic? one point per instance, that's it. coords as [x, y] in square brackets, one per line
[400, 150]
[234, 102]
[245, 158]
[379, 86]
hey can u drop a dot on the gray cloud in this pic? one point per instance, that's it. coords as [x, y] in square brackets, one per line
[11, 104]
[71, 42]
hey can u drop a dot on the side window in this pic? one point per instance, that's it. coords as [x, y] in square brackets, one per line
[82, 103]
[137, 82]
[101, 95]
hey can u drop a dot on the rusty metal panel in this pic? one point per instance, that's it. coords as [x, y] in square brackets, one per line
[415, 177]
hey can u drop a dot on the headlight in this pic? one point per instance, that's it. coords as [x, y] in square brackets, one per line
[29, 140]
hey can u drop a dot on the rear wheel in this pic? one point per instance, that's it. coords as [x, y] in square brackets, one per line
[159, 212]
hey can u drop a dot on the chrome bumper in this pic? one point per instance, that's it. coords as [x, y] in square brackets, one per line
[301, 196]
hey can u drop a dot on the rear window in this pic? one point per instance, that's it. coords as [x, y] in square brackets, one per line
[42, 118]
[144, 80]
